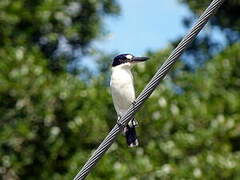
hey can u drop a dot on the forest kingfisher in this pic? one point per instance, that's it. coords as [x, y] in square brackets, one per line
[123, 93]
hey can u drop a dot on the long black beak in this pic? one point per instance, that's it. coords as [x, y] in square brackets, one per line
[139, 59]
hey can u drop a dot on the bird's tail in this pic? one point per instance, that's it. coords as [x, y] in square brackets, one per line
[131, 135]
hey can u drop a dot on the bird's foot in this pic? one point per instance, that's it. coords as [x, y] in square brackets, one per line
[118, 121]
[120, 124]
[133, 123]
[134, 103]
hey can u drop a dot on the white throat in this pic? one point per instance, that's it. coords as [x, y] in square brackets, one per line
[122, 73]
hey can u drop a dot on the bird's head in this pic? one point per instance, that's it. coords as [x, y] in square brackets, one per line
[127, 60]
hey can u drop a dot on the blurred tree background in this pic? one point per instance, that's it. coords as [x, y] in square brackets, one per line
[52, 119]
[204, 46]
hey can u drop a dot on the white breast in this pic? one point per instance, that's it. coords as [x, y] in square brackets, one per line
[122, 89]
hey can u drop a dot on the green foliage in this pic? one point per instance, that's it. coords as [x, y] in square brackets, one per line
[43, 22]
[226, 17]
[187, 134]
[46, 119]
[51, 122]
[204, 47]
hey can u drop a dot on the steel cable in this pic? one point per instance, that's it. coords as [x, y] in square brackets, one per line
[150, 87]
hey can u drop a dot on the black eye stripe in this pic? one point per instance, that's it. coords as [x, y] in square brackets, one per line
[121, 59]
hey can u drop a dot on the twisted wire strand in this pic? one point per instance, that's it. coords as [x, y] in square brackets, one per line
[150, 87]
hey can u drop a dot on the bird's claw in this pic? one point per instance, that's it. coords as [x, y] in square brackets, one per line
[118, 122]
[134, 103]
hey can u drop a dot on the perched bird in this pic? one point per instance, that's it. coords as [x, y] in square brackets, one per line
[123, 93]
